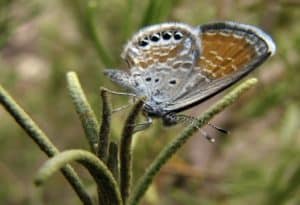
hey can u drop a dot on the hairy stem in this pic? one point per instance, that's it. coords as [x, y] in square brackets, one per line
[126, 151]
[41, 139]
[104, 133]
[103, 177]
[145, 181]
[86, 114]
[113, 160]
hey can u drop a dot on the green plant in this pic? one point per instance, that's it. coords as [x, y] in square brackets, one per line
[109, 165]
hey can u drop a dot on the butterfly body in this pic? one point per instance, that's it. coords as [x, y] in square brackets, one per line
[176, 66]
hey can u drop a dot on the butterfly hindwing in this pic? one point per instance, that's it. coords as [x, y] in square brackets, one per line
[170, 45]
[162, 57]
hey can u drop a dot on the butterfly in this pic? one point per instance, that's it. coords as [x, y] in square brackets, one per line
[176, 66]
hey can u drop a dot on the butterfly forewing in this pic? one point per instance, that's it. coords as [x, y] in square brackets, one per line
[227, 47]
[229, 51]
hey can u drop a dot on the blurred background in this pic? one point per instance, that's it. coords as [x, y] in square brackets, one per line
[257, 163]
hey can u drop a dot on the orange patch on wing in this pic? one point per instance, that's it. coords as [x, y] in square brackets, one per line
[158, 55]
[222, 54]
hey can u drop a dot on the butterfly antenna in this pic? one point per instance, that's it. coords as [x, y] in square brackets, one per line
[207, 136]
[224, 131]
[191, 120]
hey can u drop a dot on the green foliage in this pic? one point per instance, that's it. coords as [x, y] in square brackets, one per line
[41, 40]
[103, 173]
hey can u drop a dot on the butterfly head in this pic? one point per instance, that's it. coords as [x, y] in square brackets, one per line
[154, 109]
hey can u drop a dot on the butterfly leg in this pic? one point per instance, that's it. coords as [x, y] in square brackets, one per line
[131, 101]
[144, 125]
[118, 109]
[118, 93]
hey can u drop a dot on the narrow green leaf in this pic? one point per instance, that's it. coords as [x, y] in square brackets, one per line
[105, 127]
[126, 151]
[42, 140]
[101, 174]
[113, 160]
[168, 151]
[86, 114]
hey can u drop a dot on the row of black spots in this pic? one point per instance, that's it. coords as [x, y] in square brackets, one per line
[144, 42]
[165, 35]
[156, 80]
[149, 79]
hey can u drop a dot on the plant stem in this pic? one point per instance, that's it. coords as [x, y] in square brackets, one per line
[104, 133]
[103, 177]
[113, 160]
[127, 22]
[149, 14]
[83, 108]
[145, 181]
[40, 138]
[126, 151]
[93, 35]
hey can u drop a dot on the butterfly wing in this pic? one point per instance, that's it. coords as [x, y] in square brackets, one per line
[162, 44]
[229, 51]
[161, 57]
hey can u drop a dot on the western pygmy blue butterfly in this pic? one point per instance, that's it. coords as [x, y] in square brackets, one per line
[176, 66]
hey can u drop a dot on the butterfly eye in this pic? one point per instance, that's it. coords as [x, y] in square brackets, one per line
[178, 35]
[166, 35]
[155, 37]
